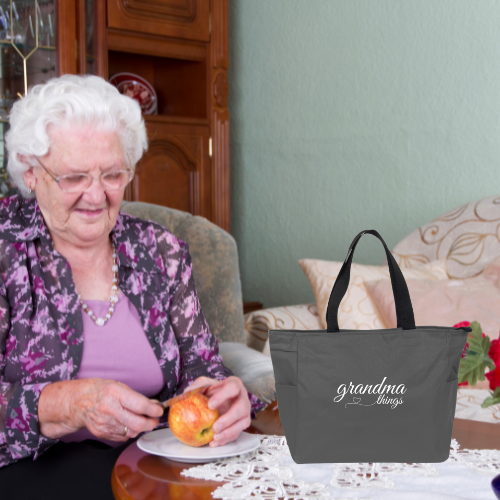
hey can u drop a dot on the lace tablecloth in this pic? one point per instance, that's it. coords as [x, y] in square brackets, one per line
[469, 406]
[270, 473]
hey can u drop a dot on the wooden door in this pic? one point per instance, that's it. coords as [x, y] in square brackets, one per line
[186, 19]
[175, 171]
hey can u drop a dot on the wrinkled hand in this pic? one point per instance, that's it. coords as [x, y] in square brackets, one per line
[106, 407]
[230, 397]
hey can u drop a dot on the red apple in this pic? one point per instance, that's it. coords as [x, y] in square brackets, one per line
[191, 420]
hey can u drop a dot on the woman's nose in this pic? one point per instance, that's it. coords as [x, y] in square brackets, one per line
[95, 191]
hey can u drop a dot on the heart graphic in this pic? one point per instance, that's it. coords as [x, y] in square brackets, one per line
[356, 400]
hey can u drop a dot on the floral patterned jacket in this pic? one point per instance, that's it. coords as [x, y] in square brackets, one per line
[41, 328]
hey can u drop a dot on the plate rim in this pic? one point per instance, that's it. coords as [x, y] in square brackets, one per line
[213, 458]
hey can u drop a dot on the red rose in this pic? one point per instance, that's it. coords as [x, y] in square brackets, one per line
[494, 375]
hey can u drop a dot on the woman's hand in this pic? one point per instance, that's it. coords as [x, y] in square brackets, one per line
[230, 397]
[104, 407]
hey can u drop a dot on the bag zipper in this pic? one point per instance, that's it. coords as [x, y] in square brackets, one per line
[468, 329]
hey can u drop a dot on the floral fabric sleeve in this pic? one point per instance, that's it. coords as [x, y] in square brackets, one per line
[198, 347]
[19, 430]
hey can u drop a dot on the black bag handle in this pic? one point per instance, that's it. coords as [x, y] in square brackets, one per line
[404, 309]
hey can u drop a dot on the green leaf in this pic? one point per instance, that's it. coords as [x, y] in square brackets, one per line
[473, 366]
[493, 400]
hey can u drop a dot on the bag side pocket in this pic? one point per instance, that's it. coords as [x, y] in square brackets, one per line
[285, 367]
[287, 407]
[283, 347]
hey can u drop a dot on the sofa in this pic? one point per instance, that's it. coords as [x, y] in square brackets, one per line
[452, 268]
[456, 252]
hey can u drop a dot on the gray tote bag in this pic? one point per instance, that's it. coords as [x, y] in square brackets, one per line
[384, 395]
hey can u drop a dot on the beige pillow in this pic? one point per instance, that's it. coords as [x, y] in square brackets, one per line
[492, 273]
[357, 310]
[443, 302]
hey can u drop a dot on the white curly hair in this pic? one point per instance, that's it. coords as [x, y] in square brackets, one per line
[70, 100]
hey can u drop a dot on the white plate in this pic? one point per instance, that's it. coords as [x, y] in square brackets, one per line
[163, 443]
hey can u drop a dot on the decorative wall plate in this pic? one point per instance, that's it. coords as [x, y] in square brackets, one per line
[137, 88]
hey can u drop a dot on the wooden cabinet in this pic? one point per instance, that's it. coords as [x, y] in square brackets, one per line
[181, 47]
[187, 19]
[178, 155]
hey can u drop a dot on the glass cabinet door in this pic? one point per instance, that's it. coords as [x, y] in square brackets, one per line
[28, 56]
[89, 30]
[90, 38]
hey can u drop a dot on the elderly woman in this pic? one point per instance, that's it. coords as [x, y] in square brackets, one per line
[98, 309]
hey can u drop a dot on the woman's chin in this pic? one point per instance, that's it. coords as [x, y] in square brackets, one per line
[91, 228]
[90, 236]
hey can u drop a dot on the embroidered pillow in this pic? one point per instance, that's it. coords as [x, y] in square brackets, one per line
[466, 236]
[296, 317]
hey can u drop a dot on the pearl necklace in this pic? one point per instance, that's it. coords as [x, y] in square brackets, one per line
[113, 299]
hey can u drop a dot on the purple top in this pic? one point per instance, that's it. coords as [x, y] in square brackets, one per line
[119, 351]
[41, 327]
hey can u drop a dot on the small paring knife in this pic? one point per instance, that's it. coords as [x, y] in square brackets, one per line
[184, 395]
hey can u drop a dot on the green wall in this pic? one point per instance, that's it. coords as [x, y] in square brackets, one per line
[355, 114]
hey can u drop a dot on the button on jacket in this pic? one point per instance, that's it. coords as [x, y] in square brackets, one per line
[41, 328]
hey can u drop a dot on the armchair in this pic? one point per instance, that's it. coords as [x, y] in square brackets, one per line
[217, 277]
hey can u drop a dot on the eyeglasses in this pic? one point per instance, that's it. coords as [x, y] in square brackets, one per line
[79, 182]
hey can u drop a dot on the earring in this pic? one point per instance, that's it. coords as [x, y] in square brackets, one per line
[30, 190]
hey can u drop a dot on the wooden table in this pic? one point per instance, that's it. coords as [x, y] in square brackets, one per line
[138, 475]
